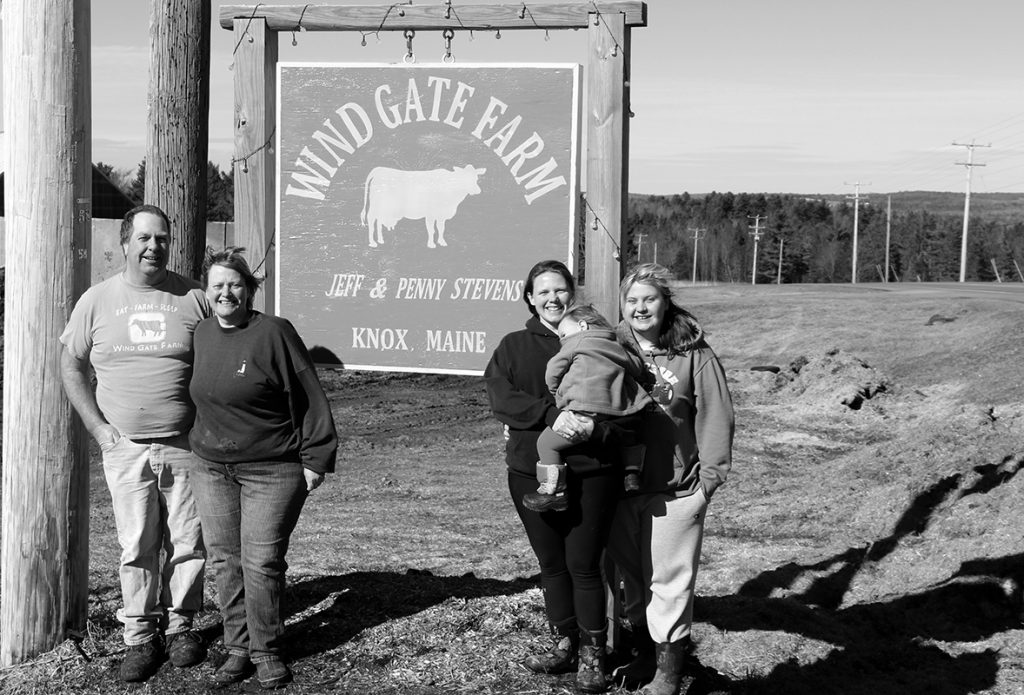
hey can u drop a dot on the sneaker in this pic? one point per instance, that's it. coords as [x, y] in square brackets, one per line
[234, 670]
[272, 674]
[185, 649]
[141, 661]
[539, 502]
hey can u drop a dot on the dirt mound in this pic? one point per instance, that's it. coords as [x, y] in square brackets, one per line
[831, 381]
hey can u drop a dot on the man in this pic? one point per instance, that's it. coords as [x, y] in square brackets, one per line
[135, 329]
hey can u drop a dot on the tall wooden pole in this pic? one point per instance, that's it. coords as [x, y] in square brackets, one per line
[888, 235]
[255, 72]
[179, 107]
[607, 125]
[47, 167]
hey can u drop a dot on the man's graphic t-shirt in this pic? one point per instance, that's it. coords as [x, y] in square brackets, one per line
[139, 341]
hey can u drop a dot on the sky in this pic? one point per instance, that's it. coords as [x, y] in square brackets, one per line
[773, 96]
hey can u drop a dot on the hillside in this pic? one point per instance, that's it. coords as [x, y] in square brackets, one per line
[1000, 207]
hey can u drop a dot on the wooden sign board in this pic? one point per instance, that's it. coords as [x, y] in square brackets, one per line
[413, 199]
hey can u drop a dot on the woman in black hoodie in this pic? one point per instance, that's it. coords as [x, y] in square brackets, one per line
[568, 544]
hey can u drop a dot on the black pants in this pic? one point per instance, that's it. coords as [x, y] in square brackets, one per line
[569, 546]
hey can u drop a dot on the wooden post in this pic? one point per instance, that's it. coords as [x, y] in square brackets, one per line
[47, 165]
[255, 126]
[607, 144]
[179, 107]
[995, 269]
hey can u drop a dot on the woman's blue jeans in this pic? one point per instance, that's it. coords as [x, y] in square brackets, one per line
[248, 512]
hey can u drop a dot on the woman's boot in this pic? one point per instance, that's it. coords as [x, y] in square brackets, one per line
[669, 675]
[561, 658]
[641, 669]
[590, 675]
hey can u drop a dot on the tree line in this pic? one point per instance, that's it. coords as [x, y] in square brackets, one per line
[802, 238]
[220, 188]
[810, 239]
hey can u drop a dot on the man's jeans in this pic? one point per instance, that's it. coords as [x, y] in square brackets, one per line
[154, 511]
[249, 511]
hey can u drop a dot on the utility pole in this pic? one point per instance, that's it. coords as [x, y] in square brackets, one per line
[856, 210]
[757, 236]
[639, 245]
[969, 164]
[778, 278]
[888, 232]
[698, 234]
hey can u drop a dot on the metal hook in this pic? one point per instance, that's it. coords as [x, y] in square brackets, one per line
[448, 35]
[409, 57]
[522, 11]
[448, 9]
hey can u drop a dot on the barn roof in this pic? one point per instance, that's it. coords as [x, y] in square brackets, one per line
[108, 201]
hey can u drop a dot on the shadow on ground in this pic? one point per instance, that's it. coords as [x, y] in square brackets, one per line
[890, 644]
[346, 605]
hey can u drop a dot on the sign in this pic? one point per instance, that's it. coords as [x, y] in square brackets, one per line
[412, 202]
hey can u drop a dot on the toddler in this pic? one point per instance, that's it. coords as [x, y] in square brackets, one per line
[593, 376]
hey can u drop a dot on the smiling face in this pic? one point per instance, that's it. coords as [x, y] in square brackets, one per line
[228, 295]
[643, 308]
[146, 250]
[550, 297]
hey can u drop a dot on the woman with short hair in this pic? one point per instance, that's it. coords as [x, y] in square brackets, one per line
[263, 439]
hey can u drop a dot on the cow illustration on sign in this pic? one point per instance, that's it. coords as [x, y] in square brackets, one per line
[391, 195]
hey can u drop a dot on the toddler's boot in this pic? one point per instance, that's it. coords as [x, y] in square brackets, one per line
[550, 495]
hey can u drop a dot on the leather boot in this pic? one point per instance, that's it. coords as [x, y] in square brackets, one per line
[669, 675]
[561, 658]
[590, 675]
[641, 669]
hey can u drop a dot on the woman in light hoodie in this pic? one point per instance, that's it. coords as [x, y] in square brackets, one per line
[656, 537]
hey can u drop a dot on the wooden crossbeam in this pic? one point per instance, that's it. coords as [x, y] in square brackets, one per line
[398, 17]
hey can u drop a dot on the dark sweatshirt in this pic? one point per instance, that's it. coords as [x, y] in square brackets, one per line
[258, 398]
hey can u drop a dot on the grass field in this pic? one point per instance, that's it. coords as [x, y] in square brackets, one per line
[868, 541]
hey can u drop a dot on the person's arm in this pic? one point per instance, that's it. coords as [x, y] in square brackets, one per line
[512, 406]
[74, 373]
[556, 370]
[714, 423]
[319, 438]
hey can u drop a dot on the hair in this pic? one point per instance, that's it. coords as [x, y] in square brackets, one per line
[231, 257]
[128, 223]
[540, 269]
[586, 312]
[680, 330]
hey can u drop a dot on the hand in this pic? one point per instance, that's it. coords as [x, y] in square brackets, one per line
[106, 435]
[313, 479]
[575, 428]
